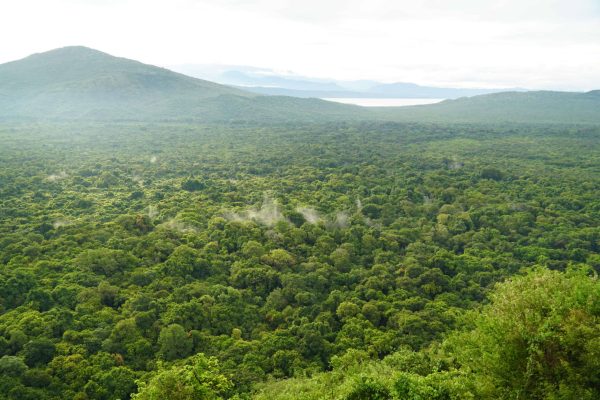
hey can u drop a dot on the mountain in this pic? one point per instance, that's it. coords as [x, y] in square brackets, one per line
[78, 82]
[239, 78]
[81, 83]
[411, 90]
[303, 93]
[254, 77]
[269, 82]
[386, 91]
[518, 107]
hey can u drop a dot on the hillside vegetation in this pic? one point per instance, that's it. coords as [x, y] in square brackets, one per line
[85, 84]
[513, 107]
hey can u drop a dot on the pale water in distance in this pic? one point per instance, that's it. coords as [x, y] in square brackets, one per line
[377, 102]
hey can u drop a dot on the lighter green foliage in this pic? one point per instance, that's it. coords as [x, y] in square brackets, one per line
[197, 379]
[538, 339]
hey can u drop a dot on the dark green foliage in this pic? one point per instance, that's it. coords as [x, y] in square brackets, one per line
[192, 185]
[105, 261]
[12, 366]
[521, 345]
[115, 384]
[38, 351]
[492, 173]
[357, 247]
[174, 342]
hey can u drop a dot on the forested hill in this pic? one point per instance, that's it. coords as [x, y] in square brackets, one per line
[82, 83]
[525, 107]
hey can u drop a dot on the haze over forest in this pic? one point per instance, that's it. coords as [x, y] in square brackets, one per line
[184, 217]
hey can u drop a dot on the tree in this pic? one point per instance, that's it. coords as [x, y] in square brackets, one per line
[492, 173]
[193, 185]
[198, 378]
[174, 342]
[185, 261]
[369, 389]
[347, 309]
[279, 258]
[12, 366]
[538, 339]
[105, 261]
[38, 351]
[253, 249]
[116, 384]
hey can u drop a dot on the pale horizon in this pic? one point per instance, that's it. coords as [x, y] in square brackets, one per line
[529, 44]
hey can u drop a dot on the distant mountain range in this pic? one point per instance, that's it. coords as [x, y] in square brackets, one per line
[78, 83]
[269, 82]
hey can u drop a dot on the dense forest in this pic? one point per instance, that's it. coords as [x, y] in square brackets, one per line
[299, 261]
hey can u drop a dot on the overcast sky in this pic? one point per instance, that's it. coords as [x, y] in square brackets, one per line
[547, 44]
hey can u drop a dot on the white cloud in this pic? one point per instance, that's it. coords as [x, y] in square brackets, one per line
[527, 43]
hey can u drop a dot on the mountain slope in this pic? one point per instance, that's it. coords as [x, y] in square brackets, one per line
[78, 82]
[87, 69]
[81, 83]
[520, 107]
